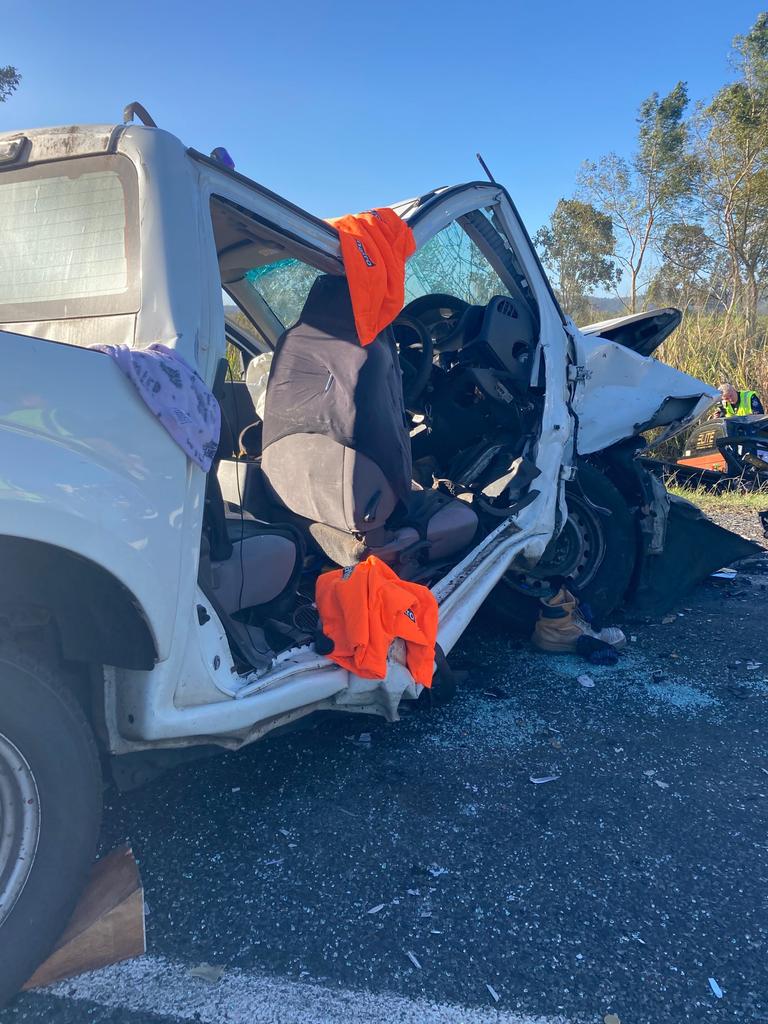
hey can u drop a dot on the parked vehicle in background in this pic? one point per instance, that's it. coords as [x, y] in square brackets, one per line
[147, 605]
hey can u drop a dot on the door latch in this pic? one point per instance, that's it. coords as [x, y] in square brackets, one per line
[577, 374]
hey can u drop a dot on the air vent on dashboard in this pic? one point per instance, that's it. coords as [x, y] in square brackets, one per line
[506, 308]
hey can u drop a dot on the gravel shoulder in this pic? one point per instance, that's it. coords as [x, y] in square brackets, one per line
[742, 520]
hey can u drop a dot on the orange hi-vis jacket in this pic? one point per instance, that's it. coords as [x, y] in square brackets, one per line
[374, 248]
[364, 607]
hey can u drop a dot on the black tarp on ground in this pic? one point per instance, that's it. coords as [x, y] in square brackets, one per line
[694, 548]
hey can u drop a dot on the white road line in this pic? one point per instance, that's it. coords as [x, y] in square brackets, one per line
[155, 985]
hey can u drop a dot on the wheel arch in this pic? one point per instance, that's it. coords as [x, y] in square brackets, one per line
[97, 618]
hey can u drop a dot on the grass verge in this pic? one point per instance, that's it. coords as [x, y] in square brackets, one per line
[728, 501]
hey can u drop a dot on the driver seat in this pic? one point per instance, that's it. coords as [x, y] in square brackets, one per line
[336, 444]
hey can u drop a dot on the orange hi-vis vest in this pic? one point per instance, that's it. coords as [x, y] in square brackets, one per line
[364, 607]
[374, 248]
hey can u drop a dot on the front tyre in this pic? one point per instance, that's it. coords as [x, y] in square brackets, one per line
[50, 809]
[596, 550]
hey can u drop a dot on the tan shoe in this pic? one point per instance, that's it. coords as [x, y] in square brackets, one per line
[560, 626]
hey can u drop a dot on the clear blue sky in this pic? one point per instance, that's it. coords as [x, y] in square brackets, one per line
[340, 106]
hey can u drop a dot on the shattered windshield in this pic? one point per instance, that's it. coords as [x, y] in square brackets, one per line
[284, 286]
[452, 264]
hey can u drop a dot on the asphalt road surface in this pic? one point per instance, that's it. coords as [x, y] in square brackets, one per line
[366, 873]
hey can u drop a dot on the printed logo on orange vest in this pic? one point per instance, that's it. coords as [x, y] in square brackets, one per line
[366, 258]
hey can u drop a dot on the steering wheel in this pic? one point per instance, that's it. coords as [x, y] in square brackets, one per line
[415, 349]
[442, 315]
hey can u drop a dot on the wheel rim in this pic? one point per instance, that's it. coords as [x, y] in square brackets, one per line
[576, 553]
[19, 824]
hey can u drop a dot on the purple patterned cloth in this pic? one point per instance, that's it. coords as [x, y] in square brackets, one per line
[176, 394]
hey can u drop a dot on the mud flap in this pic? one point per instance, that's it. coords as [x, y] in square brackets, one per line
[694, 547]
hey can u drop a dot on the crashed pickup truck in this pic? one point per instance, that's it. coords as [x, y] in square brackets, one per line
[146, 605]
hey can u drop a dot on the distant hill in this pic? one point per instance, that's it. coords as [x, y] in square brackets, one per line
[607, 304]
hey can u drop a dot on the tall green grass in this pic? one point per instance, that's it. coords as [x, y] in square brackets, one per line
[720, 348]
[725, 501]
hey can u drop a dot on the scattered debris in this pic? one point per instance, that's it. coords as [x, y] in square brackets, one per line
[649, 772]
[660, 784]
[539, 780]
[363, 740]
[413, 892]
[596, 651]
[284, 832]
[413, 958]
[752, 665]
[680, 696]
[497, 692]
[611, 1018]
[272, 863]
[377, 908]
[668, 619]
[657, 675]
[235, 789]
[494, 994]
[586, 681]
[633, 639]
[715, 988]
[208, 972]
[435, 870]
[554, 742]
[724, 574]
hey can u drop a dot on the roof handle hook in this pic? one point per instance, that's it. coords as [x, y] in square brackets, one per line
[138, 109]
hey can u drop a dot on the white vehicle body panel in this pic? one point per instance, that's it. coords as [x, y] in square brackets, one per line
[86, 467]
[622, 391]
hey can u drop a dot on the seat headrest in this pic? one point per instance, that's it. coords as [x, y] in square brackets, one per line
[329, 307]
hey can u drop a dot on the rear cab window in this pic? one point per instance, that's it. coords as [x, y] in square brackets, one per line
[69, 240]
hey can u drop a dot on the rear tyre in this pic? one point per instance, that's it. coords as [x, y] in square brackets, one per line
[596, 550]
[50, 810]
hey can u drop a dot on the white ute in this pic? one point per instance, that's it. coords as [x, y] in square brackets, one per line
[146, 606]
